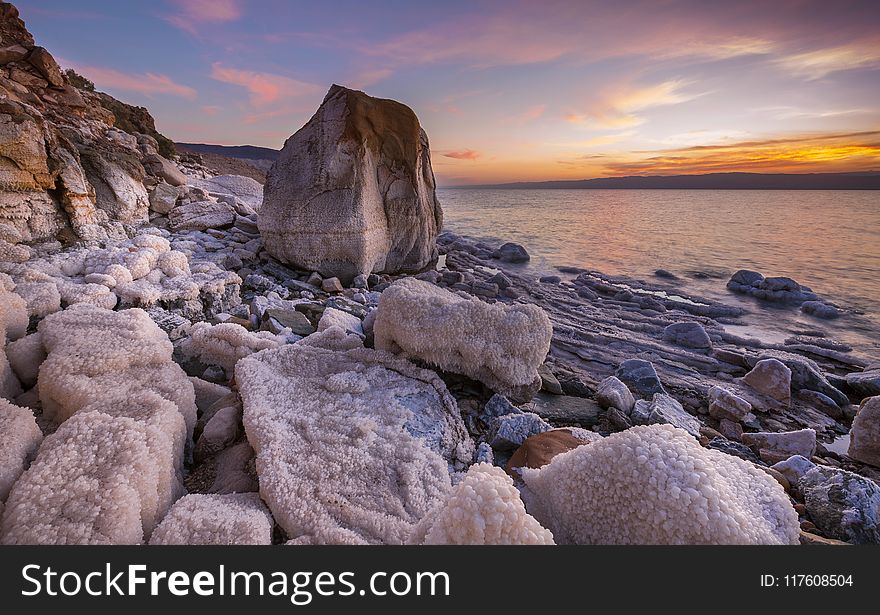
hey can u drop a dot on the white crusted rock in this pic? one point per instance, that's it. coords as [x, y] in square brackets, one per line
[657, 485]
[19, 439]
[500, 345]
[483, 509]
[205, 519]
[353, 445]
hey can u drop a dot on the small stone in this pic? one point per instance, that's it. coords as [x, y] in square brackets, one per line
[794, 468]
[820, 309]
[512, 253]
[292, 319]
[550, 279]
[866, 383]
[663, 273]
[612, 393]
[484, 454]
[641, 378]
[500, 280]
[618, 419]
[725, 405]
[773, 447]
[822, 402]
[667, 409]
[733, 448]
[331, 285]
[511, 430]
[688, 334]
[730, 429]
[360, 281]
[315, 279]
[214, 373]
[498, 405]
[564, 410]
[549, 383]
[772, 378]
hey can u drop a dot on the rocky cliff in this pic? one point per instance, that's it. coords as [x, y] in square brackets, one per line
[75, 164]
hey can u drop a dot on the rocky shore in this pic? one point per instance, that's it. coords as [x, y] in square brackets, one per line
[191, 359]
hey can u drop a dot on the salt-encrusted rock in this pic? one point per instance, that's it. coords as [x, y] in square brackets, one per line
[220, 430]
[509, 431]
[94, 481]
[353, 445]
[842, 504]
[497, 406]
[657, 485]
[666, 409]
[353, 191]
[94, 354]
[864, 444]
[865, 383]
[42, 298]
[773, 447]
[641, 378]
[224, 344]
[19, 439]
[612, 393]
[772, 378]
[512, 253]
[687, 334]
[204, 519]
[483, 509]
[538, 450]
[725, 405]
[25, 357]
[337, 318]
[164, 169]
[13, 316]
[200, 215]
[500, 345]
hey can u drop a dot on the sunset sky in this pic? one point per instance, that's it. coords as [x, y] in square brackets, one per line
[505, 90]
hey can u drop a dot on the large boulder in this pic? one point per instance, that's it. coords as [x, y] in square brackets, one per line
[864, 444]
[353, 191]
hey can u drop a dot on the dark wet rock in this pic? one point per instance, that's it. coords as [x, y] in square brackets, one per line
[687, 334]
[821, 402]
[562, 410]
[549, 383]
[779, 289]
[512, 253]
[500, 280]
[865, 383]
[663, 273]
[734, 448]
[820, 309]
[842, 504]
[550, 279]
[573, 386]
[641, 378]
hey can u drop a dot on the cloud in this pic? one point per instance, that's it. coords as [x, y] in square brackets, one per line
[596, 141]
[795, 153]
[150, 84]
[211, 109]
[812, 65]
[616, 107]
[528, 115]
[264, 88]
[464, 154]
[190, 14]
[788, 112]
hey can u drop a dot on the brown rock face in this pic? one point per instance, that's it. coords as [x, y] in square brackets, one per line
[538, 450]
[353, 191]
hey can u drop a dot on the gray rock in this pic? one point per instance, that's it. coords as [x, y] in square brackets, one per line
[687, 334]
[509, 431]
[821, 402]
[550, 279]
[864, 444]
[641, 378]
[641, 412]
[866, 383]
[777, 446]
[498, 405]
[805, 374]
[794, 468]
[549, 383]
[734, 448]
[500, 280]
[331, 285]
[163, 198]
[666, 409]
[820, 309]
[842, 504]
[725, 405]
[294, 320]
[612, 393]
[771, 377]
[353, 192]
[512, 253]
[567, 411]
[618, 419]
[663, 273]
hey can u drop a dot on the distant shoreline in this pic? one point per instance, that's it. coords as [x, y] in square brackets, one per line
[868, 180]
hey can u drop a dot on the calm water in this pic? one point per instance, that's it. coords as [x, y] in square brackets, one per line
[827, 240]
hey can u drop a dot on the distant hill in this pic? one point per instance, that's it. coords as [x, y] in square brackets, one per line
[868, 180]
[247, 152]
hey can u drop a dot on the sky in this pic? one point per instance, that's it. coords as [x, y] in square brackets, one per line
[506, 91]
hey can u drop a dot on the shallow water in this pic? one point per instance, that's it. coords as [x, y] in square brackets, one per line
[827, 240]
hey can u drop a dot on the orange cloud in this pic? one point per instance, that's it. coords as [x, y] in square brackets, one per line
[464, 154]
[192, 13]
[263, 88]
[142, 83]
[798, 153]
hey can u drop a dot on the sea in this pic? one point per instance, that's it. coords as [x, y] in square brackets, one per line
[828, 240]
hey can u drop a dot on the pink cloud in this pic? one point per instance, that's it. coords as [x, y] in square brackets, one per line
[211, 109]
[143, 83]
[192, 13]
[264, 88]
[464, 154]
